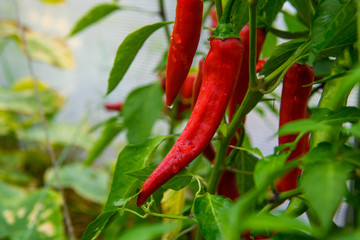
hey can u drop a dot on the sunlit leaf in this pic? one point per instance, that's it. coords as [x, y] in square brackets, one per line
[94, 15]
[127, 52]
[43, 48]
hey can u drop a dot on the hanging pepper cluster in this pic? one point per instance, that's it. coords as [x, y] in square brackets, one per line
[221, 83]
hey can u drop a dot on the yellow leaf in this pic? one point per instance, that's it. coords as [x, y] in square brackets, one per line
[41, 47]
[172, 204]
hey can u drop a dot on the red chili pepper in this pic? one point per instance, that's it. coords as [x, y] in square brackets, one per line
[184, 41]
[114, 106]
[197, 83]
[221, 71]
[260, 64]
[293, 106]
[227, 185]
[243, 80]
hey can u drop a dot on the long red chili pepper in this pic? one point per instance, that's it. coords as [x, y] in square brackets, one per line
[114, 106]
[221, 71]
[293, 106]
[227, 184]
[184, 41]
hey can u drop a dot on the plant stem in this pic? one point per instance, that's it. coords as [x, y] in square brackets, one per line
[163, 17]
[227, 11]
[207, 11]
[283, 196]
[289, 35]
[252, 45]
[218, 5]
[250, 101]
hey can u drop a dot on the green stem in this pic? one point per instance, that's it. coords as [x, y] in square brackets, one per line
[227, 11]
[249, 102]
[207, 11]
[273, 80]
[168, 216]
[332, 98]
[252, 45]
[311, 7]
[289, 35]
[358, 28]
[163, 17]
[218, 5]
[282, 197]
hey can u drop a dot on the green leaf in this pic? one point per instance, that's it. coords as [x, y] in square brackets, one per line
[280, 55]
[90, 183]
[131, 158]
[303, 11]
[279, 223]
[95, 228]
[293, 23]
[207, 211]
[178, 182]
[293, 235]
[355, 130]
[94, 15]
[267, 167]
[303, 125]
[148, 232]
[343, 115]
[347, 236]
[271, 10]
[111, 130]
[269, 45]
[142, 108]
[127, 52]
[329, 19]
[240, 15]
[245, 162]
[36, 216]
[324, 186]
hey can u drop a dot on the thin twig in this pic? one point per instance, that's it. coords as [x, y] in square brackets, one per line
[49, 147]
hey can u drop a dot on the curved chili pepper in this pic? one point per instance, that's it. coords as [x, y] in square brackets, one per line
[114, 106]
[221, 71]
[184, 41]
[293, 106]
[227, 184]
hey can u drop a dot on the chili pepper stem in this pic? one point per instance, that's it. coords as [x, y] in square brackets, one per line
[283, 196]
[218, 4]
[289, 35]
[250, 101]
[163, 17]
[252, 45]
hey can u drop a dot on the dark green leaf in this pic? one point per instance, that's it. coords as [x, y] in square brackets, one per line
[269, 45]
[131, 158]
[94, 229]
[178, 182]
[303, 11]
[95, 14]
[293, 235]
[329, 19]
[271, 10]
[293, 23]
[322, 67]
[303, 125]
[127, 52]
[142, 108]
[245, 162]
[324, 186]
[240, 14]
[267, 167]
[343, 115]
[355, 130]
[207, 211]
[110, 131]
[148, 232]
[347, 236]
[345, 37]
[280, 55]
[271, 222]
